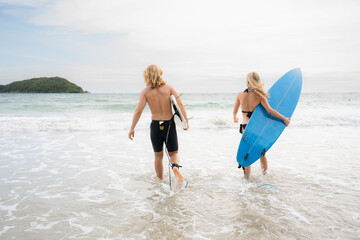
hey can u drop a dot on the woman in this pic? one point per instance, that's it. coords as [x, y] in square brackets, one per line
[248, 100]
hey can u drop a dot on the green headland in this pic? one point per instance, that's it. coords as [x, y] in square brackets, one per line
[42, 85]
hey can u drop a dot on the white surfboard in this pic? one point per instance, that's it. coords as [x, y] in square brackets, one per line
[179, 117]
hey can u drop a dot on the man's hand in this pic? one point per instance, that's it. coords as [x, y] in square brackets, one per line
[131, 134]
[187, 126]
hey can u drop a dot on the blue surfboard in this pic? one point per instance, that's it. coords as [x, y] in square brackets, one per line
[263, 129]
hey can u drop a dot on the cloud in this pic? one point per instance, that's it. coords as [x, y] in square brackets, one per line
[226, 27]
[202, 39]
[25, 3]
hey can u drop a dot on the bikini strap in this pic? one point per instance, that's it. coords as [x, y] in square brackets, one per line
[248, 113]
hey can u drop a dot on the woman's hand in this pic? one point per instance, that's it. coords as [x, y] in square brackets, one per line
[131, 134]
[236, 119]
[287, 121]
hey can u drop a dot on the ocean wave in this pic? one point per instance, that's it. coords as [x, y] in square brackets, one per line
[108, 112]
[44, 124]
[209, 105]
[116, 123]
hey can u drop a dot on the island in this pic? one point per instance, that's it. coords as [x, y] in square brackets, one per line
[42, 85]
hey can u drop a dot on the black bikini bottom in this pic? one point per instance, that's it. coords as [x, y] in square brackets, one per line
[242, 128]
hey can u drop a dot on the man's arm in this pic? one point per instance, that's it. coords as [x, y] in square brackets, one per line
[180, 103]
[137, 114]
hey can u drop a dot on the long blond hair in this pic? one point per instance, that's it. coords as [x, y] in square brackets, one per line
[255, 84]
[153, 76]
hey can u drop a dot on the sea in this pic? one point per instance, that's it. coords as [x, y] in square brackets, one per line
[69, 171]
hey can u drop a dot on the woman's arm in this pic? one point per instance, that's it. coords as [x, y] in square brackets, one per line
[137, 114]
[273, 112]
[236, 108]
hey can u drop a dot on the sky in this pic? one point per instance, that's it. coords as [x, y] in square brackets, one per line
[201, 45]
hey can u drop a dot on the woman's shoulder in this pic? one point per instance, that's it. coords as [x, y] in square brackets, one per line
[240, 93]
[262, 98]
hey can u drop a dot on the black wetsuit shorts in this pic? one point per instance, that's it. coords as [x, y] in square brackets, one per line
[160, 134]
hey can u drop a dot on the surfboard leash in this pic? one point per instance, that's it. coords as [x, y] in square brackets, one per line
[172, 165]
[166, 150]
[262, 185]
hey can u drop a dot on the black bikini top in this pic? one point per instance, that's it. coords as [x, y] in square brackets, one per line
[249, 113]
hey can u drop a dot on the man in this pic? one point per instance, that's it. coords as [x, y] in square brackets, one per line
[162, 129]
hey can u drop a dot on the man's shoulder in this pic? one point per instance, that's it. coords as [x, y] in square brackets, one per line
[171, 89]
[169, 86]
[146, 89]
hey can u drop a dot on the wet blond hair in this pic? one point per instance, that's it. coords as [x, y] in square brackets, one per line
[255, 84]
[152, 76]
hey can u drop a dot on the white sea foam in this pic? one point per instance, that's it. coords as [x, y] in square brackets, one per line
[91, 195]
[200, 121]
[40, 226]
[85, 229]
[9, 208]
[5, 229]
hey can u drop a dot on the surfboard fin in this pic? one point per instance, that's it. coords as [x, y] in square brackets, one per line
[263, 152]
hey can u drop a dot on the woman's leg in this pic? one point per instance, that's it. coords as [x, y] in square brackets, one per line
[247, 173]
[264, 164]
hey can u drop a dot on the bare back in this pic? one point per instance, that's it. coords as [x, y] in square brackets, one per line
[248, 102]
[159, 101]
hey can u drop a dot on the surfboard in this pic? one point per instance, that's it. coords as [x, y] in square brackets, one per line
[180, 121]
[263, 129]
[179, 117]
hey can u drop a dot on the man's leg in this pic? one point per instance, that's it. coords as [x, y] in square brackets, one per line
[174, 157]
[159, 164]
